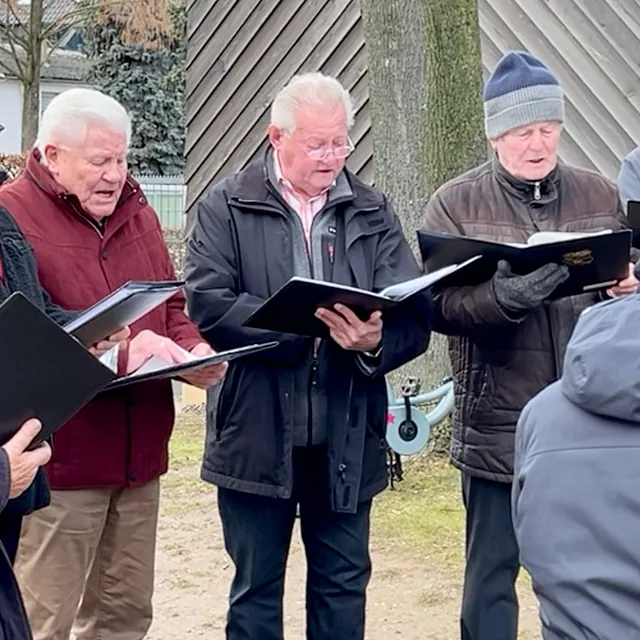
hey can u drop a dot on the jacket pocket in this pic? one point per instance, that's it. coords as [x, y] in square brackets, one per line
[478, 391]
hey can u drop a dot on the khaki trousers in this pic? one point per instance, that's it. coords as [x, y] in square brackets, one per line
[85, 564]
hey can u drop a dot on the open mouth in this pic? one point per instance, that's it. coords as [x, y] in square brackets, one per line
[105, 194]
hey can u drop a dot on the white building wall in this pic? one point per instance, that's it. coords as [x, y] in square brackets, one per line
[11, 109]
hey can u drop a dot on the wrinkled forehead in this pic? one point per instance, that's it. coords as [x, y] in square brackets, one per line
[96, 138]
[330, 123]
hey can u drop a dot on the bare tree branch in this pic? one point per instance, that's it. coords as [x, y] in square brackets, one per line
[6, 67]
[13, 27]
[70, 19]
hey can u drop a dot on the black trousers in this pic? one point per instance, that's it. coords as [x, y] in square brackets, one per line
[489, 601]
[10, 527]
[257, 534]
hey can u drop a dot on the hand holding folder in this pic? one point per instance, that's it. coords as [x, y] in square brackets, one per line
[292, 308]
[596, 260]
[24, 463]
[157, 368]
[49, 375]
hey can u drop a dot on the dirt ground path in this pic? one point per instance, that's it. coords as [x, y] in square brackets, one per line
[407, 598]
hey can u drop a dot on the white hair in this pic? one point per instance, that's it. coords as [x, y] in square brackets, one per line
[66, 118]
[314, 90]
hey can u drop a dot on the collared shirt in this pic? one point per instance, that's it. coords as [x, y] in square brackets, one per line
[306, 208]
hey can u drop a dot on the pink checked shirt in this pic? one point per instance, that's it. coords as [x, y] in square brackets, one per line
[306, 208]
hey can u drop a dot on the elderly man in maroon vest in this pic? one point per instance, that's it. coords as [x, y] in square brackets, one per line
[86, 561]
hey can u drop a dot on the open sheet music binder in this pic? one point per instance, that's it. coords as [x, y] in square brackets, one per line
[596, 260]
[46, 373]
[49, 375]
[292, 308]
[119, 309]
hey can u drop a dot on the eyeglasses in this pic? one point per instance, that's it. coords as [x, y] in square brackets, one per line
[323, 152]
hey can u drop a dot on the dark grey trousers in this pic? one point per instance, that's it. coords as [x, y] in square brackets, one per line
[489, 601]
[257, 534]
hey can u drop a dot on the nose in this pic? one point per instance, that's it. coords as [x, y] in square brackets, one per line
[331, 159]
[536, 141]
[114, 173]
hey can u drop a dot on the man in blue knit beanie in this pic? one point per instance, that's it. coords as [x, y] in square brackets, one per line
[506, 337]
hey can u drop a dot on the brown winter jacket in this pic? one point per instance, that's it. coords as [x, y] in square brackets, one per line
[499, 363]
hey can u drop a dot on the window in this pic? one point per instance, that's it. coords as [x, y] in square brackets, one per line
[45, 98]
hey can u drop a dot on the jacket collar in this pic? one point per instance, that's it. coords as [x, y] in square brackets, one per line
[42, 178]
[530, 192]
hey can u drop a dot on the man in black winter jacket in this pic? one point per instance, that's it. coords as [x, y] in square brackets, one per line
[302, 424]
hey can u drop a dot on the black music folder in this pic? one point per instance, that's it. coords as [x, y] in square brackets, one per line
[46, 373]
[119, 309]
[596, 260]
[156, 368]
[292, 308]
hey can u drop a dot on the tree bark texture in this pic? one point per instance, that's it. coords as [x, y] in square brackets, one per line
[425, 84]
[31, 79]
[455, 123]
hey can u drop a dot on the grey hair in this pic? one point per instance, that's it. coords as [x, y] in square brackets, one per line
[312, 89]
[66, 118]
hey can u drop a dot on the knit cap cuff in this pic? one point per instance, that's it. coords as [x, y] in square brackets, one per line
[537, 103]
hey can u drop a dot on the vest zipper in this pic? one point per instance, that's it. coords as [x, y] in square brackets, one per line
[536, 191]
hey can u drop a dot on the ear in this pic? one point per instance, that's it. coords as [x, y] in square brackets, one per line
[275, 136]
[52, 156]
[493, 144]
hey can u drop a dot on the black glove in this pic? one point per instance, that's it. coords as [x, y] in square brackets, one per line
[521, 293]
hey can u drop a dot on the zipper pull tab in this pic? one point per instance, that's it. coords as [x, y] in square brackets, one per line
[536, 191]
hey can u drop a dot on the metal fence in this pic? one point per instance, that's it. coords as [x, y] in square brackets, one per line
[167, 195]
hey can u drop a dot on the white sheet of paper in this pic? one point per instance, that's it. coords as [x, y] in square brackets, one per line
[155, 363]
[548, 237]
[405, 289]
[110, 358]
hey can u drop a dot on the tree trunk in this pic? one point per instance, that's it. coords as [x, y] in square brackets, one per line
[31, 79]
[455, 126]
[425, 75]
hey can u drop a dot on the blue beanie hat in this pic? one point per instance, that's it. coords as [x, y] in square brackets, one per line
[520, 91]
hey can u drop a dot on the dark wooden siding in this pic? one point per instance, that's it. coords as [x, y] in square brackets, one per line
[241, 52]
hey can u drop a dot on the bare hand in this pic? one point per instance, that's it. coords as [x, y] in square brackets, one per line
[23, 465]
[207, 376]
[148, 344]
[116, 339]
[625, 287]
[349, 331]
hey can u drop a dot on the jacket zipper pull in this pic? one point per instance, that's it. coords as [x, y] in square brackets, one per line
[536, 191]
[341, 469]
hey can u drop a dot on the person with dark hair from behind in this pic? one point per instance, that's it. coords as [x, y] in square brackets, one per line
[576, 497]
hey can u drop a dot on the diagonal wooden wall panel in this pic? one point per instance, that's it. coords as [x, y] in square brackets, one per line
[240, 52]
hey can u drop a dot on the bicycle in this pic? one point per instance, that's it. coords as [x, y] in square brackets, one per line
[409, 427]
